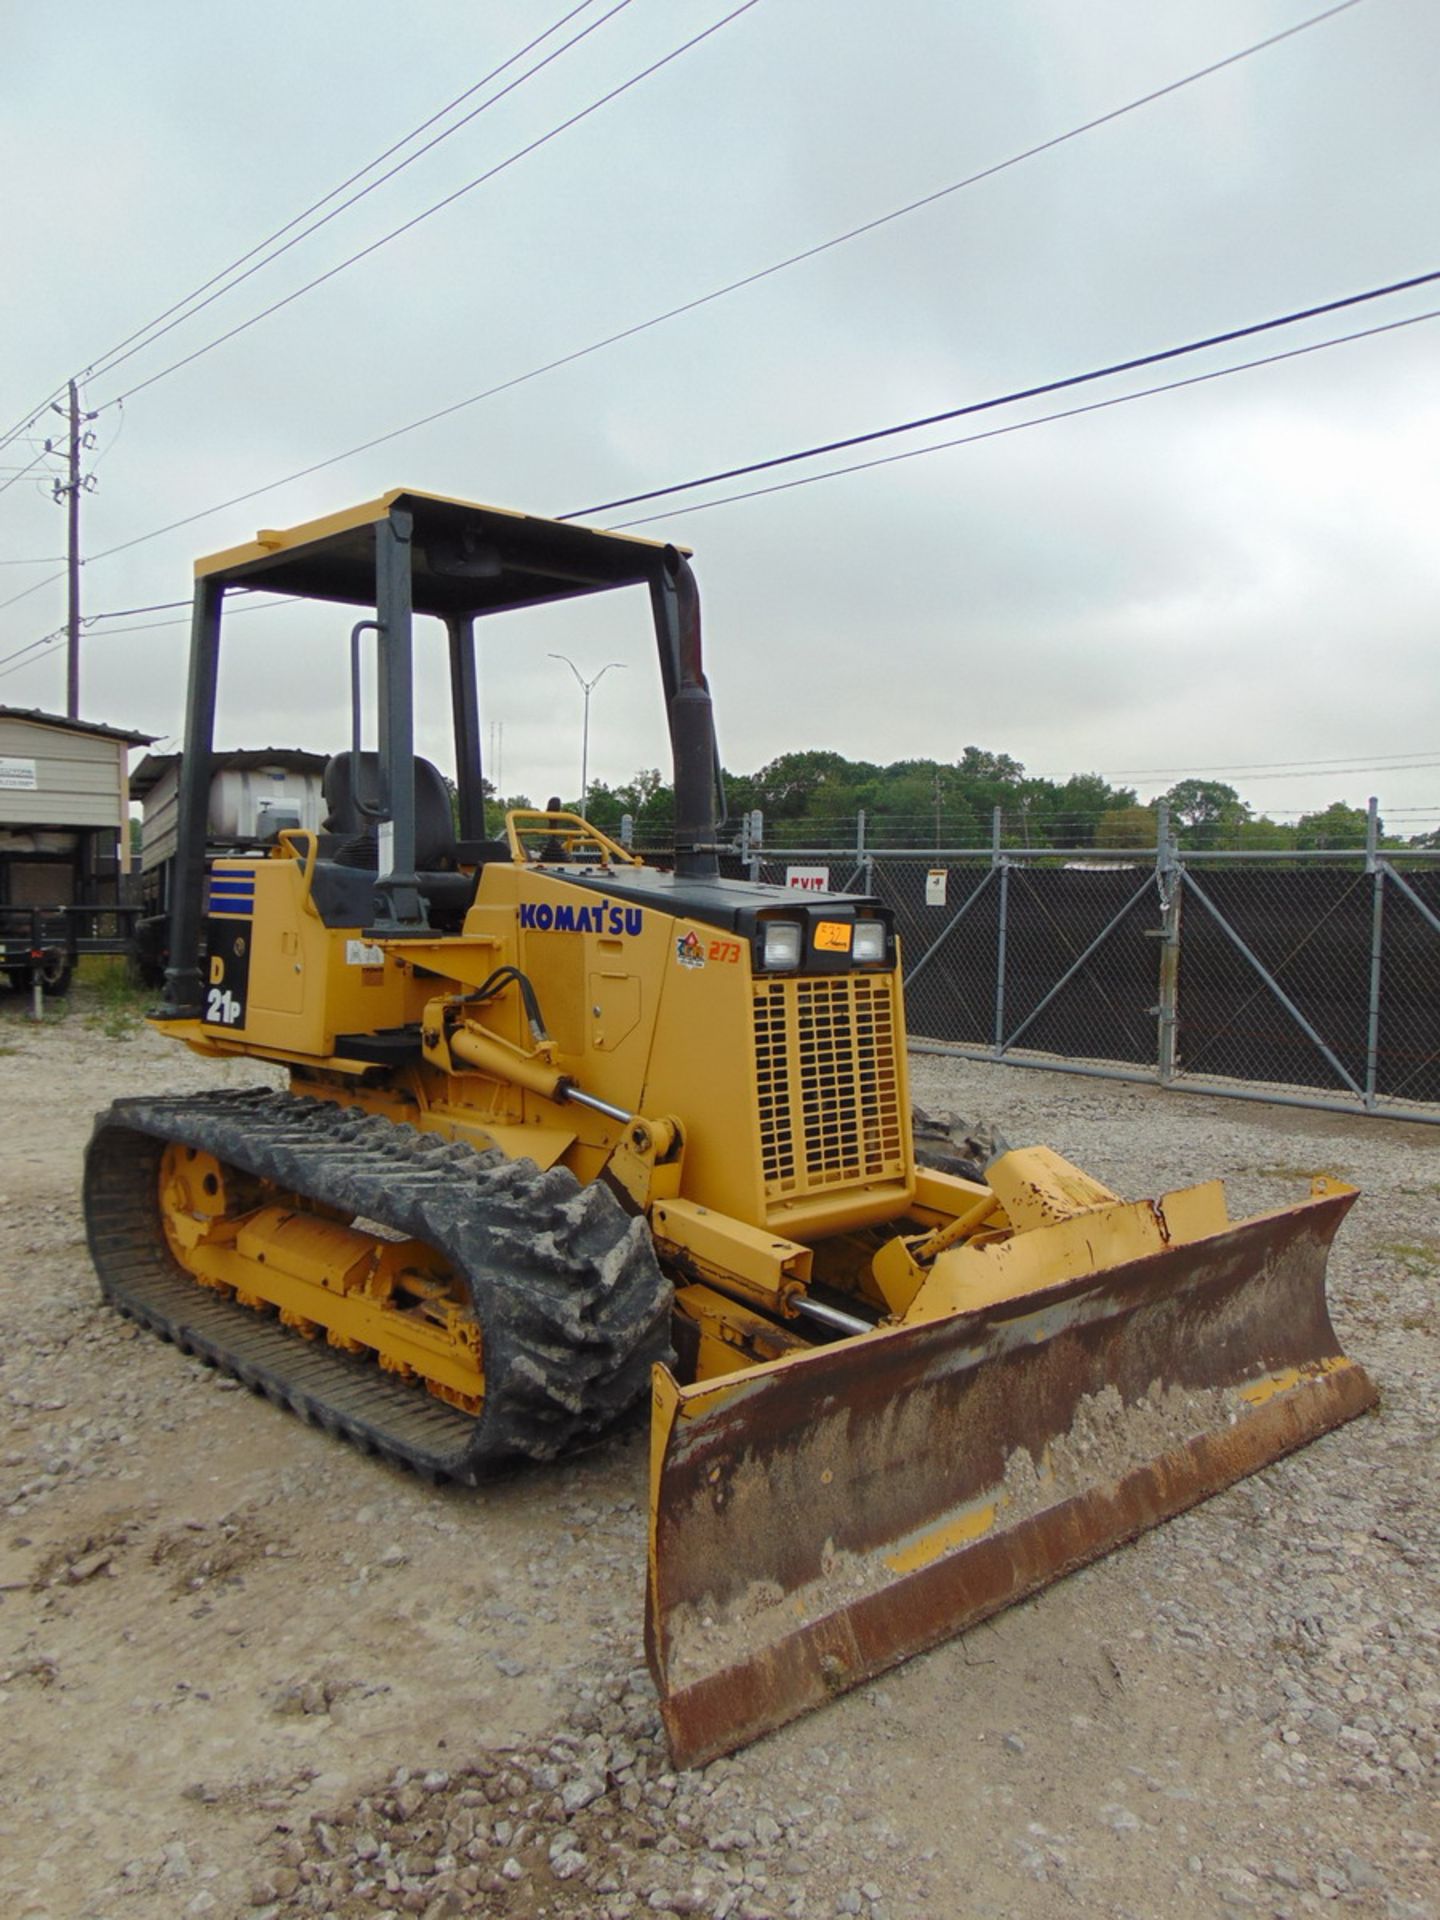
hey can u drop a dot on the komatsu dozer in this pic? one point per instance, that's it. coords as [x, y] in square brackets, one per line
[563, 1130]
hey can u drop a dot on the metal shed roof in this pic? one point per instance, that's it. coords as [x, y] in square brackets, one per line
[77, 726]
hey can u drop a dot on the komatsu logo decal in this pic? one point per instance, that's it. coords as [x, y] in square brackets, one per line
[602, 918]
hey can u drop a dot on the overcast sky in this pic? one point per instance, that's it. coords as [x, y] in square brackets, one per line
[1237, 574]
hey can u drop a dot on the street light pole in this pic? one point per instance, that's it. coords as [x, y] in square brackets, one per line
[587, 687]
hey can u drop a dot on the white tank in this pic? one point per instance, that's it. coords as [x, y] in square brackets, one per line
[251, 801]
[257, 802]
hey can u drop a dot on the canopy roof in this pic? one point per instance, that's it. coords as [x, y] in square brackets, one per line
[465, 558]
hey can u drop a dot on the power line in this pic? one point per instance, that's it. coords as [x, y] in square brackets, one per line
[21, 472]
[1418, 766]
[1037, 420]
[122, 613]
[164, 606]
[22, 427]
[1150, 359]
[737, 285]
[169, 606]
[1254, 766]
[1219, 373]
[35, 587]
[194, 304]
[151, 626]
[1010, 399]
[102, 363]
[32, 646]
[406, 226]
[992, 433]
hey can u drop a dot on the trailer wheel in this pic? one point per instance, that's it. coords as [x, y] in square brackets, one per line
[55, 970]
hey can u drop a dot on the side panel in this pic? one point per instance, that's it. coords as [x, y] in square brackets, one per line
[303, 982]
[649, 1012]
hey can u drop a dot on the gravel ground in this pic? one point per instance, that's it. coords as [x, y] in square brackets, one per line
[244, 1671]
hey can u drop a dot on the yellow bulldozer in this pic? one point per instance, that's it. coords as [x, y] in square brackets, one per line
[564, 1130]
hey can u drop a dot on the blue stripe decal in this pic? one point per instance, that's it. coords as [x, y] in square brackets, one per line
[232, 893]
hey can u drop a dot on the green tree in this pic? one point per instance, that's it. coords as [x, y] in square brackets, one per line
[648, 799]
[1077, 806]
[1337, 825]
[1264, 835]
[1207, 813]
[786, 787]
[1126, 827]
[496, 808]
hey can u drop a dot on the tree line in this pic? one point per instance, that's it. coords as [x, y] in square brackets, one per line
[816, 799]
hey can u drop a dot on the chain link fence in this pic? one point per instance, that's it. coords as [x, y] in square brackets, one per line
[1305, 977]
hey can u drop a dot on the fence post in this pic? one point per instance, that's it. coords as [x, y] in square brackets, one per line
[1169, 878]
[37, 961]
[998, 860]
[1375, 867]
[754, 840]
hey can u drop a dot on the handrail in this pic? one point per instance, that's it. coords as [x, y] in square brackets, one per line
[289, 838]
[571, 829]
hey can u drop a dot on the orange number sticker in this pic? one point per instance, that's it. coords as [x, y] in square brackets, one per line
[832, 936]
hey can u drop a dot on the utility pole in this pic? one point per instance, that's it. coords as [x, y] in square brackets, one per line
[70, 490]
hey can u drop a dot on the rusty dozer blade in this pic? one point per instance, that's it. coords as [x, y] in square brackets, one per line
[825, 1516]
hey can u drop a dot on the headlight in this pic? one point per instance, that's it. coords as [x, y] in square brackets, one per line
[784, 944]
[869, 942]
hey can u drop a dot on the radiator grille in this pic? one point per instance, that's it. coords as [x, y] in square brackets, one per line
[828, 1080]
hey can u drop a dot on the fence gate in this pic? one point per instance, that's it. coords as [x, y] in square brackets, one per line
[1312, 979]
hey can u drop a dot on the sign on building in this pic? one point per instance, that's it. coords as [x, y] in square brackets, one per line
[18, 776]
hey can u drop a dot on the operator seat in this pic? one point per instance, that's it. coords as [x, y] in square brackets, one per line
[354, 841]
[434, 825]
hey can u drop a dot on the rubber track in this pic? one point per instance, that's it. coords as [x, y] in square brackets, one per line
[572, 1305]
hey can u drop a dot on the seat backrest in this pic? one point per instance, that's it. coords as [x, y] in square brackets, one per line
[434, 821]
